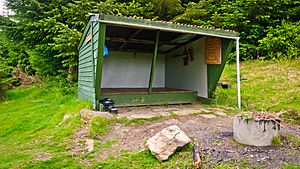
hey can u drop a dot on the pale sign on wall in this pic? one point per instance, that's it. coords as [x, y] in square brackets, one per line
[213, 50]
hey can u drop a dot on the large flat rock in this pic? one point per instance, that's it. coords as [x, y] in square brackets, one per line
[165, 143]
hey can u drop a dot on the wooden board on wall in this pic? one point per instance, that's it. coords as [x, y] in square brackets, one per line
[213, 50]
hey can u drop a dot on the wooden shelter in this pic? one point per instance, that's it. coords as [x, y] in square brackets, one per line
[150, 62]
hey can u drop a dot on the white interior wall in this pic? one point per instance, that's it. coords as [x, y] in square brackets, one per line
[190, 77]
[131, 70]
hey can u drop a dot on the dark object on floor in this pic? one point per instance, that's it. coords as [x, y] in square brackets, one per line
[109, 105]
[224, 85]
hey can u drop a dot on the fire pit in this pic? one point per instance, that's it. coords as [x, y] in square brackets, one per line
[257, 129]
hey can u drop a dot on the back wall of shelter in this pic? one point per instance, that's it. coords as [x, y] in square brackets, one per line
[132, 70]
[192, 76]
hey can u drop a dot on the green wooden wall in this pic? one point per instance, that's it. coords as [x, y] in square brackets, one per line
[86, 67]
[214, 71]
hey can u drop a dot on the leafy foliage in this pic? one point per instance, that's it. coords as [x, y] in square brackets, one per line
[252, 19]
[282, 41]
[5, 69]
[43, 36]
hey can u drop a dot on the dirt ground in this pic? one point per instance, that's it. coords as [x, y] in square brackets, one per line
[214, 135]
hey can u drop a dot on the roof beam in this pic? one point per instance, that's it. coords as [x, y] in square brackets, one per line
[185, 43]
[130, 38]
[142, 41]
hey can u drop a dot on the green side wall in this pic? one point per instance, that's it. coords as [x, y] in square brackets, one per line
[86, 67]
[214, 71]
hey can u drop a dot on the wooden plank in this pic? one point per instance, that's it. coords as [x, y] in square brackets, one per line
[85, 52]
[131, 37]
[140, 41]
[86, 78]
[99, 62]
[86, 30]
[86, 83]
[84, 49]
[95, 45]
[95, 30]
[86, 89]
[85, 61]
[86, 74]
[84, 96]
[153, 99]
[214, 71]
[87, 58]
[96, 36]
[93, 54]
[213, 50]
[153, 63]
[86, 70]
[86, 65]
[95, 24]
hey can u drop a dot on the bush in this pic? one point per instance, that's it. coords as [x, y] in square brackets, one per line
[282, 42]
[5, 75]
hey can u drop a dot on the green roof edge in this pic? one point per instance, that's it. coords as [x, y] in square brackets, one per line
[159, 25]
[166, 25]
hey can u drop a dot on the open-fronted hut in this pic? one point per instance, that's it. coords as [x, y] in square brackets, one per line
[144, 62]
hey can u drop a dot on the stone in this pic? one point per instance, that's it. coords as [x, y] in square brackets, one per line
[220, 113]
[66, 116]
[89, 145]
[254, 132]
[208, 116]
[167, 141]
[185, 112]
[134, 115]
[87, 115]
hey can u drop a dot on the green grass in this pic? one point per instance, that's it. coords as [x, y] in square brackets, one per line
[31, 120]
[290, 166]
[293, 139]
[144, 159]
[276, 141]
[29, 126]
[99, 126]
[272, 86]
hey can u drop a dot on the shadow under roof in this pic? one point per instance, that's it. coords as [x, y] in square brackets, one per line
[139, 35]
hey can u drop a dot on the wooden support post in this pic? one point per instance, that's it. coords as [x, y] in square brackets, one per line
[100, 56]
[153, 63]
[93, 55]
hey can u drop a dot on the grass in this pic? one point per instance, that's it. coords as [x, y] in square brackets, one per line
[99, 126]
[32, 120]
[272, 86]
[29, 126]
[144, 159]
[293, 139]
[276, 140]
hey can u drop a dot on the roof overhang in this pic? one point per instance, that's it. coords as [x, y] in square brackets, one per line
[135, 34]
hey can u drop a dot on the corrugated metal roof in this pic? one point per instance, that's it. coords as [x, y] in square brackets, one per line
[165, 25]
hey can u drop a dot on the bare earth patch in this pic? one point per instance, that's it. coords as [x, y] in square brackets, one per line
[212, 132]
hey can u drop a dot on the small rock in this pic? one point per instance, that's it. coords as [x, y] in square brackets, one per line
[204, 110]
[208, 116]
[89, 145]
[220, 113]
[43, 156]
[165, 143]
[251, 156]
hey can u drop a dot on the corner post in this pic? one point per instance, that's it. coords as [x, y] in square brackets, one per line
[238, 73]
[99, 63]
[153, 62]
